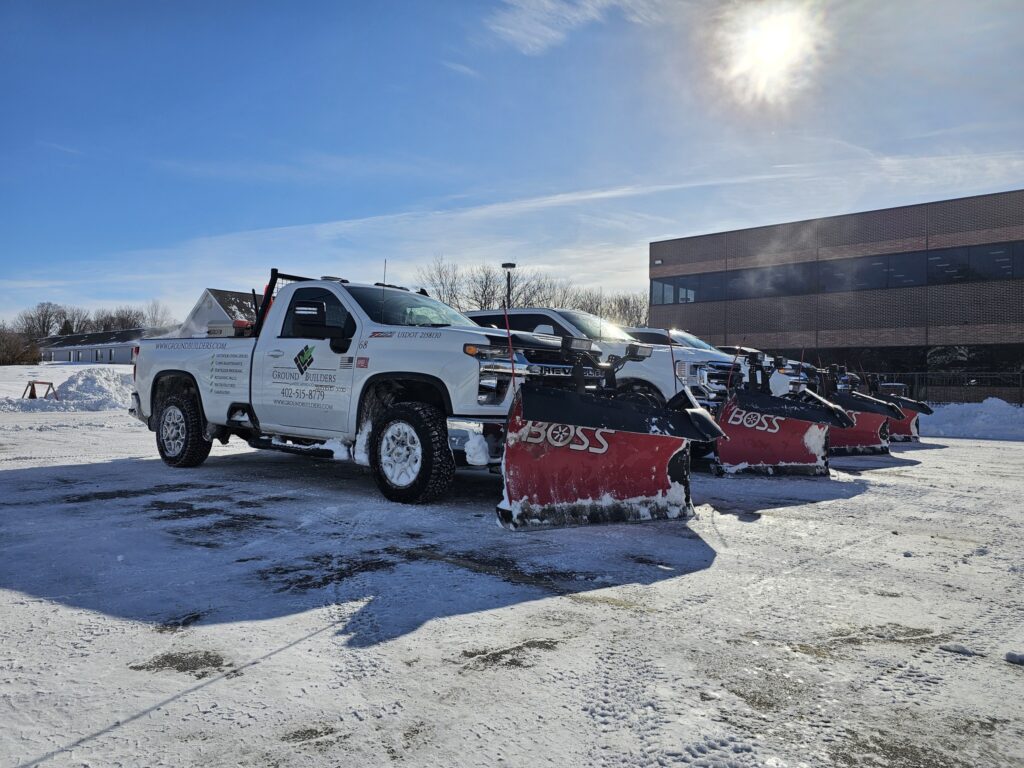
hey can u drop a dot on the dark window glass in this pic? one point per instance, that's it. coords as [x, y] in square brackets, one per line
[908, 269]
[688, 289]
[864, 274]
[336, 314]
[991, 262]
[662, 292]
[488, 321]
[712, 287]
[949, 265]
[782, 280]
[529, 322]
[1018, 260]
[650, 337]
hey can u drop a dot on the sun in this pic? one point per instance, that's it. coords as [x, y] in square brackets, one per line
[768, 51]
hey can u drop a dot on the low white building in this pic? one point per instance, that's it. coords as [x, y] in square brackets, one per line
[99, 347]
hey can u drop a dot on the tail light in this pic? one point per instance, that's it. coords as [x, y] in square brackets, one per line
[135, 358]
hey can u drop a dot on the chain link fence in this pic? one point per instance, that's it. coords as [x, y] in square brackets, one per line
[961, 387]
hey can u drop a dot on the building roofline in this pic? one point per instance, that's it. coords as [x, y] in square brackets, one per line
[838, 216]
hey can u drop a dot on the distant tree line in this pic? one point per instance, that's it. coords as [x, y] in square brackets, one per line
[483, 287]
[18, 338]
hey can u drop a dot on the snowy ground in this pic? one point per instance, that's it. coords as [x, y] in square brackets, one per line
[272, 610]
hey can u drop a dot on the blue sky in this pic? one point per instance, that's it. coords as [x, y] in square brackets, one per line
[149, 150]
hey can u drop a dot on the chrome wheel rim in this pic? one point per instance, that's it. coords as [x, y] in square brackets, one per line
[401, 454]
[172, 431]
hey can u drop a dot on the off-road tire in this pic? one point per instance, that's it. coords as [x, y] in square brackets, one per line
[437, 465]
[195, 447]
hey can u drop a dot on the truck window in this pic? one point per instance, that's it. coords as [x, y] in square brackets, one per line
[530, 321]
[395, 307]
[337, 315]
[487, 321]
[650, 337]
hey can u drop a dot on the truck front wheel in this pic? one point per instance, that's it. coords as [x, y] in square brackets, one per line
[409, 453]
[180, 435]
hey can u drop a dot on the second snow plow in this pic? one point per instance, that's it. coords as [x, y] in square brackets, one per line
[775, 434]
[580, 456]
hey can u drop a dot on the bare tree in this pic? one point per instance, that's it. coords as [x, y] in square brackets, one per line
[74, 320]
[157, 314]
[629, 309]
[484, 287]
[15, 348]
[40, 321]
[127, 317]
[122, 318]
[445, 281]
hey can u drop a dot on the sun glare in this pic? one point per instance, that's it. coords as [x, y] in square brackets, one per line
[768, 51]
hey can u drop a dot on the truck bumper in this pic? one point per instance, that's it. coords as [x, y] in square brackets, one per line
[477, 439]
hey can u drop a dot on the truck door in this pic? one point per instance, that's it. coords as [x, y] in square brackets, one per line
[305, 373]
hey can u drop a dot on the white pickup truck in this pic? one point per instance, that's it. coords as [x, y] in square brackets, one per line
[390, 378]
[662, 375]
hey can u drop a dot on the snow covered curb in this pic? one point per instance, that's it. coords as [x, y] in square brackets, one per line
[992, 419]
[92, 389]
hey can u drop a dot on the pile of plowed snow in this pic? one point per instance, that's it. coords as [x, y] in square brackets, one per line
[993, 419]
[93, 389]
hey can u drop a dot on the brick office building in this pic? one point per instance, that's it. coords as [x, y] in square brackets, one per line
[936, 286]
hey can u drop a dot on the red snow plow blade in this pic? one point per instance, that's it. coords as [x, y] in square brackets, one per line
[871, 416]
[769, 434]
[906, 429]
[581, 459]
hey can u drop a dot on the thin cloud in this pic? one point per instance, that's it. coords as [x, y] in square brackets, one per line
[462, 69]
[310, 167]
[534, 26]
[60, 148]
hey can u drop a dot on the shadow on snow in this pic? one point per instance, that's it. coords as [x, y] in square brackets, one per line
[254, 536]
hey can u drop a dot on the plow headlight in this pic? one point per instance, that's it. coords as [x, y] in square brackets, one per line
[574, 344]
[638, 351]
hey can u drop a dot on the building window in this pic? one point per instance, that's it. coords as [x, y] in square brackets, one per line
[864, 274]
[688, 289]
[662, 292]
[950, 265]
[908, 269]
[991, 262]
[781, 280]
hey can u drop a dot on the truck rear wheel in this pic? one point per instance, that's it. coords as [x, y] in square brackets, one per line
[409, 453]
[180, 434]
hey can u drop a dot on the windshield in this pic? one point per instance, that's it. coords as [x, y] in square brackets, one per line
[689, 340]
[594, 327]
[392, 307]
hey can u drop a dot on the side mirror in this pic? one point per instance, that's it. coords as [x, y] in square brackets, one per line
[545, 329]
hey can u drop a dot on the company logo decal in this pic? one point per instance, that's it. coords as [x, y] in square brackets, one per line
[758, 421]
[304, 359]
[575, 438]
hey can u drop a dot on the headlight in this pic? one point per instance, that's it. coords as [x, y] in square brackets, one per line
[681, 369]
[574, 344]
[481, 352]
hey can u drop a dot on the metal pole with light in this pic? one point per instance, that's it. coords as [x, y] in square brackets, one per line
[508, 266]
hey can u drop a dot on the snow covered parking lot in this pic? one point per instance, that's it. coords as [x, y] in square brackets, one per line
[267, 610]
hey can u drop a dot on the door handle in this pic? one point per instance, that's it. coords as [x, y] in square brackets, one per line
[275, 353]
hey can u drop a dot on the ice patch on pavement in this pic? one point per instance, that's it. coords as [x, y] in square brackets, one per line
[993, 419]
[92, 389]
